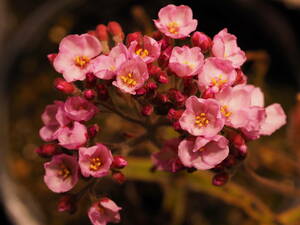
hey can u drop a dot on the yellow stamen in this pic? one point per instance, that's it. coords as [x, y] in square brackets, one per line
[142, 53]
[95, 163]
[64, 172]
[173, 27]
[81, 61]
[218, 81]
[129, 80]
[201, 120]
[191, 65]
[224, 111]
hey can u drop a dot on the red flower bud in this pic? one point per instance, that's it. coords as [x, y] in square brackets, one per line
[141, 91]
[89, 94]
[220, 179]
[157, 35]
[48, 150]
[162, 77]
[101, 31]
[176, 126]
[93, 130]
[230, 161]
[160, 99]
[165, 43]
[202, 41]
[153, 70]
[67, 203]
[92, 32]
[241, 78]
[90, 80]
[176, 96]
[147, 110]
[163, 59]
[174, 115]
[208, 93]
[136, 36]
[151, 86]
[116, 30]
[119, 162]
[189, 87]
[102, 92]
[51, 57]
[119, 177]
[63, 86]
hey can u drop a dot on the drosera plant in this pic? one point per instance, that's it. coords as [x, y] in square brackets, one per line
[176, 77]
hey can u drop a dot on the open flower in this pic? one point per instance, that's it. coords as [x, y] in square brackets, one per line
[61, 173]
[148, 50]
[203, 153]
[53, 118]
[131, 76]
[106, 66]
[95, 161]
[185, 61]
[225, 46]
[202, 117]
[75, 55]
[104, 211]
[167, 158]
[176, 21]
[216, 74]
[72, 137]
[79, 109]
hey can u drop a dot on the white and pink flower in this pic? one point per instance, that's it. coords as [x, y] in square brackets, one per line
[95, 161]
[185, 61]
[176, 21]
[75, 55]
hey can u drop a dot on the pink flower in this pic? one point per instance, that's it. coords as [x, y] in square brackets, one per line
[75, 55]
[61, 173]
[149, 51]
[202, 117]
[167, 158]
[176, 21]
[53, 118]
[185, 61]
[74, 137]
[216, 74]
[235, 103]
[95, 161]
[275, 118]
[203, 153]
[80, 109]
[225, 46]
[105, 66]
[131, 76]
[104, 211]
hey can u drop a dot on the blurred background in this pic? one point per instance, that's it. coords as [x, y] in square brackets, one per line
[268, 30]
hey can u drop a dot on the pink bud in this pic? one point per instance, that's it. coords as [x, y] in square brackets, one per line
[160, 99]
[153, 70]
[147, 110]
[162, 77]
[101, 31]
[102, 92]
[174, 115]
[208, 93]
[119, 177]
[89, 94]
[48, 150]
[141, 91]
[119, 162]
[93, 130]
[63, 86]
[151, 86]
[189, 87]
[176, 96]
[165, 43]
[67, 203]
[90, 80]
[136, 36]
[51, 57]
[240, 77]
[116, 30]
[220, 179]
[163, 59]
[176, 126]
[202, 41]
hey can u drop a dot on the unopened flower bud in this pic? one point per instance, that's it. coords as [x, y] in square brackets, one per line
[160, 99]
[89, 94]
[119, 162]
[176, 96]
[229, 162]
[162, 77]
[101, 31]
[51, 57]
[208, 93]
[157, 35]
[163, 59]
[118, 177]
[147, 110]
[116, 30]
[240, 77]
[202, 41]
[136, 36]
[141, 91]
[220, 179]
[93, 130]
[151, 85]
[165, 43]
[48, 150]
[67, 203]
[102, 92]
[189, 87]
[90, 80]
[174, 115]
[92, 32]
[153, 70]
[176, 126]
[63, 86]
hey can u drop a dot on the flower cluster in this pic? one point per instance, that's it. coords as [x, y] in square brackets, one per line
[176, 75]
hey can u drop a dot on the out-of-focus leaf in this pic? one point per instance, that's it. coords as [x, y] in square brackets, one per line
[290, 217]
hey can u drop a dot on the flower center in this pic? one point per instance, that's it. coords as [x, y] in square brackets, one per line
[63, 172]
[81, 61]
[218, 81]
[142, 53]
[225, 111]
[129, 80]
[201, 120]
[95, 163]
[190, 65]
[173, 27]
